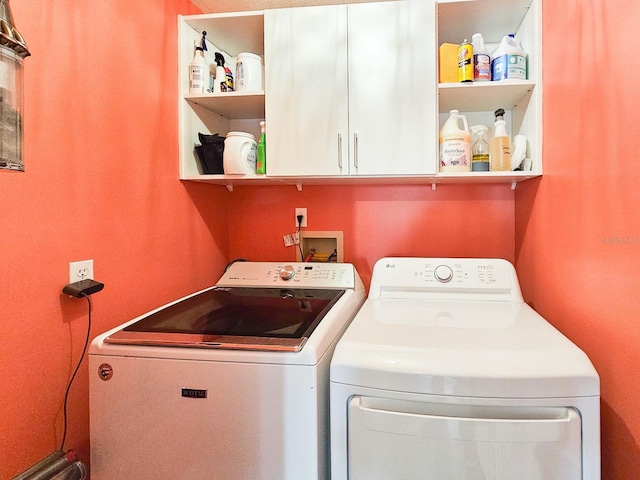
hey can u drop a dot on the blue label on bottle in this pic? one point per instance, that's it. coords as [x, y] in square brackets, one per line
[499, 68]
[511, 66]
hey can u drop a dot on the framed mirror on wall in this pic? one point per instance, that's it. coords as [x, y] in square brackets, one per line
[13, 50]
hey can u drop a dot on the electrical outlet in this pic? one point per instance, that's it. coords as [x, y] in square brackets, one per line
[303, 212]
[80, 270]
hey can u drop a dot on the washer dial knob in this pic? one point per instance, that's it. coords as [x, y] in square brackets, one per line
[287, 273]
[443, 273]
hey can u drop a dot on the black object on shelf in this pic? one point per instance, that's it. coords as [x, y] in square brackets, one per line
[210, 153]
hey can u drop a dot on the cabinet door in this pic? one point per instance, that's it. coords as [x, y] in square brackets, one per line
[306, 91]
[392, 88]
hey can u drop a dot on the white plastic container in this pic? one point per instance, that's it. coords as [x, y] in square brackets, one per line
[198, 71]
[219, 80]
[509, 60]
[455, 144]
[239, 157]
[481, 59]
[248, 73]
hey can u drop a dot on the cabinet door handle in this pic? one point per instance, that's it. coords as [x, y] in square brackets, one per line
[355, 150]
[339, 150]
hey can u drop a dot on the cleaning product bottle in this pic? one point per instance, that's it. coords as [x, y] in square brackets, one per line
[220, 84]
[198, 68]
[500, 145]
[479, 149]
[455, 144]
[481, 59]
[465, 62]
[220, 79]
[261, 163]
[509, 60]
[228, 84]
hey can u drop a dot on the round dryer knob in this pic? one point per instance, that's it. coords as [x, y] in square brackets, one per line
[287, 273]
[443, 273]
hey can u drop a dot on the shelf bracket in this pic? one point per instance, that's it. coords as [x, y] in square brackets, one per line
[229, 187]
[299, 186]
[513, 185]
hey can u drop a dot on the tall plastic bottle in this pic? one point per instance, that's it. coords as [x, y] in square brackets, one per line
[509, 60]
[228, 85]
[198, 68]
[500, 145]
[220, 80]
[480, 149]
[455, 144]
[481, 59]
[261, 163]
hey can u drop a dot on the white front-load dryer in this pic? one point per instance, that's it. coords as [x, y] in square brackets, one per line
[445, 373]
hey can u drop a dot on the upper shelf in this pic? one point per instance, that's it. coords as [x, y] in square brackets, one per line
[237, 105]
[483, 96]
[234, 33]
[500, 22]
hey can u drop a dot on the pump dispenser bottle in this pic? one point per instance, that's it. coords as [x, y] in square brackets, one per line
[500, 145]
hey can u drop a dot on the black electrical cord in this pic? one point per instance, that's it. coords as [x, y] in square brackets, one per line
[84, 350]
[300, 217]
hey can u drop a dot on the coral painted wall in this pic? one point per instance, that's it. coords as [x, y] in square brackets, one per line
[100, 122]
[377, 221]
[101, 183]
[578, 228]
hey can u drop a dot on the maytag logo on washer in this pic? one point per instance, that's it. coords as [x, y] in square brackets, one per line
[105, 372]
[194, 393]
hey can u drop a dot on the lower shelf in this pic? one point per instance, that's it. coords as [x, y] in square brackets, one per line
[230, 181]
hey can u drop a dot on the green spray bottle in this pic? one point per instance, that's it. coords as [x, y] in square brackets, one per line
[261, 163]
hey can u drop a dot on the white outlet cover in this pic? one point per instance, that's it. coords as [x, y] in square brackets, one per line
[81, 270]
[303, 212]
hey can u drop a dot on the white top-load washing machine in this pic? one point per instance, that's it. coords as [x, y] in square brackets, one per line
[230, 383]
[445, 373]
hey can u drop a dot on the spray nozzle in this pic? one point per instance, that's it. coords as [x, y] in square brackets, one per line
[202, 45]
[219, 59]
[479, 130]
[499, 113]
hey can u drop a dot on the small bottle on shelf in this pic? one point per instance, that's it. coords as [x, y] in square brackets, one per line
[261, 162]
[481, 59]
[500, 145]
[479, 149]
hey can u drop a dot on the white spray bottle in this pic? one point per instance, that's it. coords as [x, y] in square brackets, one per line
[198, 68]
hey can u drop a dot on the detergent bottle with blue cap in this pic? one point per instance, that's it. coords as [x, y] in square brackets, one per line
[509, 60]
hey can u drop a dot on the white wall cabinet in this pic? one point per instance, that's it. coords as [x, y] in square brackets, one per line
[351, 89]
[521, 99]
[351, 92]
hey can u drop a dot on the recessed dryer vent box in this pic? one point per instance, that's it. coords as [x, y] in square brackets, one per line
[325, 246]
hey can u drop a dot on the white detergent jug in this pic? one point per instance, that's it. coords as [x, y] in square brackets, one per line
[455, 144]
[239, 156]
[509, 60]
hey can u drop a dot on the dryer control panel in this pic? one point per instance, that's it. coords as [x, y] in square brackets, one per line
[460, 278]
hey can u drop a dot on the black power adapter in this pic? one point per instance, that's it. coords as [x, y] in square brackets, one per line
[83, 288]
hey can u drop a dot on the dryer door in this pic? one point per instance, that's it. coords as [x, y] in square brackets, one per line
[390, 439]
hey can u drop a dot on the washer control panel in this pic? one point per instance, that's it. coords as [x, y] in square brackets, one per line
[410, 277]
[269, 274]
